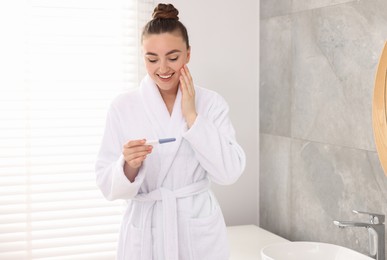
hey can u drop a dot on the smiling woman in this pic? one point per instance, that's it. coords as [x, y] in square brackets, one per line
[165, 43]
[165, 55]
[172, 213]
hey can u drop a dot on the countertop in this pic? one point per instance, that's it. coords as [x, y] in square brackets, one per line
[246, 241]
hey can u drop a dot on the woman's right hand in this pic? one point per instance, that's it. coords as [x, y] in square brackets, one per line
[135, 152]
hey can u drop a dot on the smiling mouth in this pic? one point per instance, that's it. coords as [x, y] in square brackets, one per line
[165, 76]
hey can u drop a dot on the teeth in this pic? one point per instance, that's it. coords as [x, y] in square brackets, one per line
[166, 76]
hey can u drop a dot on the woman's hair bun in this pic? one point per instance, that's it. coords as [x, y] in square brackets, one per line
[165, 11]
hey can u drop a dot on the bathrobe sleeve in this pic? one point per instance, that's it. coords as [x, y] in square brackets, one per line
[109, 167]
[212, 137]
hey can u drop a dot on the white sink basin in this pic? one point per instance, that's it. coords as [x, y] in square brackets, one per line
[309, 251]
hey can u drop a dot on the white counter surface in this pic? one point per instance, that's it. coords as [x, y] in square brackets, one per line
[247, 241]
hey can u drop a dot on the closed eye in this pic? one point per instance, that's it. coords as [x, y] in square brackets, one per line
[152, 61]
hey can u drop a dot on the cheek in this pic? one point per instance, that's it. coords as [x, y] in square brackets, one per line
[149, 67]
[147, 64]
[178, 65]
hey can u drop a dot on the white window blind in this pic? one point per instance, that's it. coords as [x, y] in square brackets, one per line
[61, 64]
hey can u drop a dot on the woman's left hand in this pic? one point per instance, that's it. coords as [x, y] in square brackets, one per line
[188, 96]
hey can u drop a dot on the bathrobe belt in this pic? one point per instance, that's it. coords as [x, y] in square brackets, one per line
[168, 199]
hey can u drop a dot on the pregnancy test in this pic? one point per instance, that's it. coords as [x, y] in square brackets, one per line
[160, 141]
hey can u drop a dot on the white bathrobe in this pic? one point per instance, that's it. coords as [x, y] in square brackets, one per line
[172, 214]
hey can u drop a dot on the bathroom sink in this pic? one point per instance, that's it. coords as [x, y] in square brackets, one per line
[309, 251]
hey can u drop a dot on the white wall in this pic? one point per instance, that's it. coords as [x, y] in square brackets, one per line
[224, 41]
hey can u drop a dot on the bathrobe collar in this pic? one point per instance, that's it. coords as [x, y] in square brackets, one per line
[164, 125]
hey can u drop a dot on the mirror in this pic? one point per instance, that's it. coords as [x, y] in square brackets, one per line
[379, 109]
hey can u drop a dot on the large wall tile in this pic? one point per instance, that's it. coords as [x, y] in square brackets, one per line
[302, 5]
[328, 182]
[378, 174]
[333, 166]
[274, 184]
[332, 97]
[269, 8]
[275, 76]
[351, 37]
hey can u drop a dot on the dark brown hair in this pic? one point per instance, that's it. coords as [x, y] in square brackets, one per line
[165, 19]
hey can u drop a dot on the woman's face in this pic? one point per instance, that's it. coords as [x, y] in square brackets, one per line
[165, 54]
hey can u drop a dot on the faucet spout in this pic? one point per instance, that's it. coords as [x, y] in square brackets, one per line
[376, 231]
[344, 224]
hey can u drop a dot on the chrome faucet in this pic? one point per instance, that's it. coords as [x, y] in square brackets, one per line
[376, 232]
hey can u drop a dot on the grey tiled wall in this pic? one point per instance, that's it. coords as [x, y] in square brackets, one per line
[318, 159]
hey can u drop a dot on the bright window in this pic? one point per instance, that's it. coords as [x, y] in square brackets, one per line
[61, 64]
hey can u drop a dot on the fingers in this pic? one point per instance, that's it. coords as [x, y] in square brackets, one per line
[135, 151]
[187, 73]
[133, 143]
[186, 81]
[188, 96]
[136, 155]
[136, 147]
[183, 84]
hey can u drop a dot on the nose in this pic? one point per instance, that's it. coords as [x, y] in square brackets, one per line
[163, 67]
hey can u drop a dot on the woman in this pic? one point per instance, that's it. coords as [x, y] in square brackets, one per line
[172, 213]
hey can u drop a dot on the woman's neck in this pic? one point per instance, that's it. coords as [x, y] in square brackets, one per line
[169, 97]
